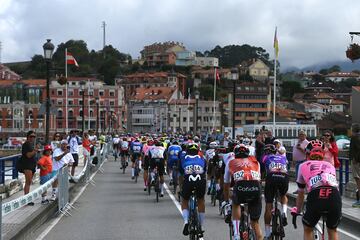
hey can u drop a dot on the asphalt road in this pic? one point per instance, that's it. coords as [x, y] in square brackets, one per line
[117, 208]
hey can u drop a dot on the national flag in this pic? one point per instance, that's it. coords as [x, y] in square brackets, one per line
[217, 75]
[71, 60]
[276, 44]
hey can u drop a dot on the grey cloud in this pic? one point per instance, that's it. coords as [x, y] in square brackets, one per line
[308, 31]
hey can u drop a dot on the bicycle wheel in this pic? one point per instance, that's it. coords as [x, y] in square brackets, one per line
[157, 188]
[136, 174]
[277, 228]
[231, 231]
[149, 183]
[252, 235]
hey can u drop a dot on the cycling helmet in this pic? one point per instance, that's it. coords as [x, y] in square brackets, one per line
[241, 151]
[314, 144]
[316, 153]
[157, 143]
[196, 139]
[231, 146]
[150, 142]
[269, 149]
[192, 149]
[213, 145]
[246, 141]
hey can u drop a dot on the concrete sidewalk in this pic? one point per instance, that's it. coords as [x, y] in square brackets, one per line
[30, 217]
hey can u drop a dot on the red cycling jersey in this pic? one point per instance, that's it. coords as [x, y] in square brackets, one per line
[242, 169]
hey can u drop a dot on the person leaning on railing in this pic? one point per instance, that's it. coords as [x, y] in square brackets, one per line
[354, 156]
[27, 162]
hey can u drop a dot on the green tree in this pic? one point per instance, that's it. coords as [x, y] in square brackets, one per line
[289, 88]
[335, 68]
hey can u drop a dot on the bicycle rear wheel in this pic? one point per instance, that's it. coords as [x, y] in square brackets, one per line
[277, 227]
[157, 188]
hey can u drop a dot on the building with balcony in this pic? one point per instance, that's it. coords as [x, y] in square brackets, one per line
[182, 115]
[158, 54]
[252, 103]
[151, 79]
[7, 74]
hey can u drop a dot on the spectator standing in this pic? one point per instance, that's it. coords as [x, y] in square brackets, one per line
[354, 156]
[28, 160]
[299, 153]
[61, 158]
[45, 165]
[259, 150]
[280, 149]
[331, 149]
[269, 138]
[74, 142]
[55, 143]
[86, 146]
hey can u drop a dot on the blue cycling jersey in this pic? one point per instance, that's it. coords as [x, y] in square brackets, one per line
[174, 152]
[275, 163]
[136, 147]
[193, 165]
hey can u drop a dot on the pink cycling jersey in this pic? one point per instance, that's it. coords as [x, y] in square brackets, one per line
[146, 149]
[316, 174]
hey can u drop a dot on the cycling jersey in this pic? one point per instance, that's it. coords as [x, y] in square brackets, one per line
[275, 164]
[173, 155]
[157, 152]
[241, 169]
[314, 174]
[156, 155]
[209, 154]
[227, 157]
[193, 168]
[124, 145]
[136, 147]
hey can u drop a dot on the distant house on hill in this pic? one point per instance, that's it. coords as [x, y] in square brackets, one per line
[158, 54]
[7, 74]
[256, 68]
[341, 76]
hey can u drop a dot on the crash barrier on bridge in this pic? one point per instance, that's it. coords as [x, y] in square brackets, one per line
[8, 167]
[63, 187]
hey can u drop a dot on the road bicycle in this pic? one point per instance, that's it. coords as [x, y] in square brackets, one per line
[195, 232]
[175, 175]
[136, 169]
[154, 180]
[277, 226]
[319, 231]
[245, 230]
[213, 191]
[123, 164]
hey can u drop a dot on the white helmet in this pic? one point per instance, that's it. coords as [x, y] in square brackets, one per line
[246, 141]
[213, 145]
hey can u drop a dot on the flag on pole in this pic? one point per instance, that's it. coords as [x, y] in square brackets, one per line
[71, 60]
[276, 44]
[217, 75]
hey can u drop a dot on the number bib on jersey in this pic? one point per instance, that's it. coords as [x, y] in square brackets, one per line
[324, 179]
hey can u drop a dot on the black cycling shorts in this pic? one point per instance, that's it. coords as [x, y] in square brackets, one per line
[159, 163]
[124, 153]
[135, 156]
[273, 183]
[194, 182]
[248, 192]
[323, 200]
[146, 163]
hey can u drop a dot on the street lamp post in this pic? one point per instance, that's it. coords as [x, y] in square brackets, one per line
[197, 95]
[233, 109]
[97, 116]
[82, 83]
[48, 53]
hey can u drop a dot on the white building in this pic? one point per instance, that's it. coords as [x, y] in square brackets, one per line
[341, 76]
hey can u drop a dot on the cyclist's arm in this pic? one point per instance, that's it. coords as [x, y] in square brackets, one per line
[227, 181]
[300, 181]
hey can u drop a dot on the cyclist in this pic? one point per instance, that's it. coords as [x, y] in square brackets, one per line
[173, 158]
[319, 178]
[124, 150]
[277, 179]
[247, 142]
[244, 172]
[212, 158]
[192, 170]
[135, 150]
[157, 159]
[145, 153]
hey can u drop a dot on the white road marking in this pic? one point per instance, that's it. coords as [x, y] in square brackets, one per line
[173, 198]
[57, 219]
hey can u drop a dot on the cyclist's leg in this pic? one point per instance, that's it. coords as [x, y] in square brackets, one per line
[146, 167]
[269, 193]
[161, 169]
[200, 191]
[308, 233]
[133, 159]
[333, 235]
[186, 192]
[283, 188]
[254, 208]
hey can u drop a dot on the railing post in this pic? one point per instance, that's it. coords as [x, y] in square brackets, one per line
[347, 172]
[15, 173]
[341, 176]
[2, 169]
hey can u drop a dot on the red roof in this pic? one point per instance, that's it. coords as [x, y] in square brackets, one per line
[29, 82]
[153, 93]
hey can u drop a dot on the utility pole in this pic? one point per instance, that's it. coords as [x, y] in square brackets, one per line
[104, 34]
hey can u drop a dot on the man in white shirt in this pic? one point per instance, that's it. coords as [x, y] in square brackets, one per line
[73, 141]
[61, 158]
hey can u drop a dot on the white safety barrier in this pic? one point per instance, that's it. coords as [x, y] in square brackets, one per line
[63, 187]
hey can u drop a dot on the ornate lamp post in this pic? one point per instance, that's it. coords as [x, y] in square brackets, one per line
[48, 54]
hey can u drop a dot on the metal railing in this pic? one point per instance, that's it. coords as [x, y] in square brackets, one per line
[8, 167]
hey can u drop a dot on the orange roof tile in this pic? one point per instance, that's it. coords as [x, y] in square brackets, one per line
[356, 88]
[153, 93]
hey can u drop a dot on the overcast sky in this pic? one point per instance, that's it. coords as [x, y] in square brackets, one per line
[309, 31]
